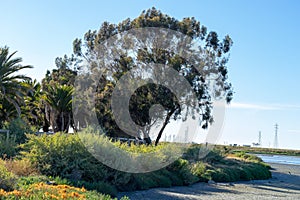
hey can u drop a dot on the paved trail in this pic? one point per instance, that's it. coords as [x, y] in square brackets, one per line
[285, 184]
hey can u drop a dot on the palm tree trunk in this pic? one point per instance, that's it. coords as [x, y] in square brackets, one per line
[69, 122]
[62, 122]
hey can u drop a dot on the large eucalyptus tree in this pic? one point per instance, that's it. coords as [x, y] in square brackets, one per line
[212, 56]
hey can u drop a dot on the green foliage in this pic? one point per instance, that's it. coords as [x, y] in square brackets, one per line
[49, 192]
[213, 156]
[192, 153]
[160, 178]
[8, 147]
[59, 102]
[58, 155]
[64, 155]
[247, 157]
[7, 179]
[99, 186]
[259, 150]
[25, 181]
[182, 169]
[198, 169]
[237, 170]
[57, 86]
[214, 54]
[33, 110]
[18, 129]
[12, 90]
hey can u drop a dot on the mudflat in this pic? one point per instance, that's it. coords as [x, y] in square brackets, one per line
[284, 184]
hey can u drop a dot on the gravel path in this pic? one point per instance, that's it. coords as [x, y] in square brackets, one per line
[285, 184]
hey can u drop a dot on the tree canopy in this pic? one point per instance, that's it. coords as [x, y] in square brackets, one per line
[122, 56]
[12, 85]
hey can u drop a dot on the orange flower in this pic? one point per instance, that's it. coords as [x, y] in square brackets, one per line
[53, 196]
[75, 194]
[83, 189]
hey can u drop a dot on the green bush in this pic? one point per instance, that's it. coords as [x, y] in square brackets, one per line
[182, 169]
[62, 155]
[240, 171]
[247, 157]
[199, 169]
[65, 155]
[99, 186]
[161, 178]
[192, 153]
[7, 179]
[214, 156]
[25, 181]
[8, 147]
[18, 129]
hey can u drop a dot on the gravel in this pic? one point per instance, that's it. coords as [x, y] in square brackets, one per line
[284, 184]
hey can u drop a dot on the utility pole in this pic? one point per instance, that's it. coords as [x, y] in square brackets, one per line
[186, 134]
[276, 136]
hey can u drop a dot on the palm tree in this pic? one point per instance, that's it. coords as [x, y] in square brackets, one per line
[34, 105]
[59, 109]
[11, 89]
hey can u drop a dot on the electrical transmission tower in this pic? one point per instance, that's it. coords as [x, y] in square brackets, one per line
[259, 138]
[186, 134]
[276, 136]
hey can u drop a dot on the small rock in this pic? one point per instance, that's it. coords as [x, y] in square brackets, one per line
[51, 183]
[211, 182]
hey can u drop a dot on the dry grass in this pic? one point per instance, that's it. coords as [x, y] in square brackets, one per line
[21, 167]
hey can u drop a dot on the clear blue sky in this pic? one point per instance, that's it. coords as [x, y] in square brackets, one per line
[264, 63]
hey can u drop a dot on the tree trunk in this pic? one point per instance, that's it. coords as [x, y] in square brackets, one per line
[46, 124]
[69, 122]
[62, 122]
[164, 126]
[146, 137]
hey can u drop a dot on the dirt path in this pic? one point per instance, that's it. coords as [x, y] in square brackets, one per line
[285, 184]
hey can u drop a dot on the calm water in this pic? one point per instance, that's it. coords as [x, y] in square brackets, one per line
[280, 159]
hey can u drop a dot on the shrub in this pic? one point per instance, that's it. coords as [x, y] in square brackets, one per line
[45, 191]
[62, 155]
[214, 156]
[161, 178]
[247, 157]
[98, 186]
[182, 169]
[20, 167]
[8, 147]
[7, 179]
[194, 153]
[199, 169]
[25, 181]
[239, 171]
[18, 129]
[65, 155]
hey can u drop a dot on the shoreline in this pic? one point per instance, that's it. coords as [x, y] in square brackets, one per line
[284, 184]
